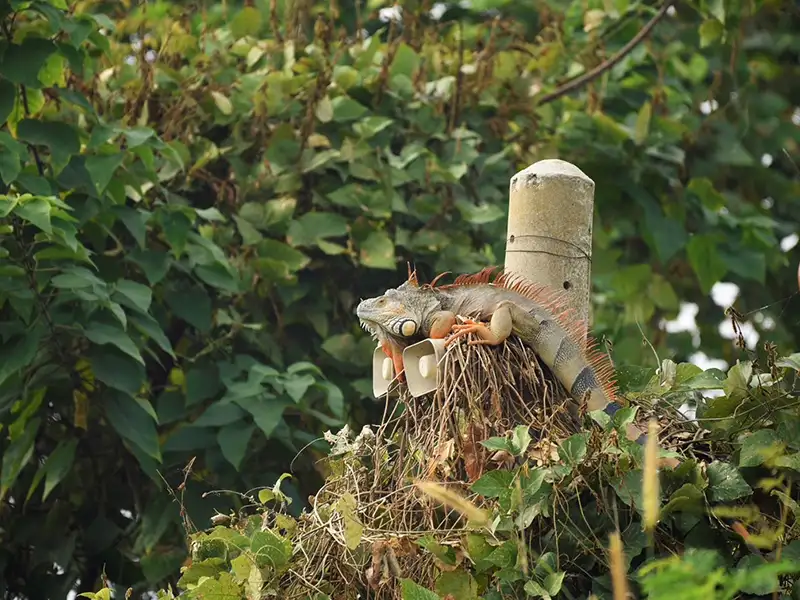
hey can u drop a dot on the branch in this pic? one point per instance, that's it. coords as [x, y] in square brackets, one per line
[607, 64]
[26, 108]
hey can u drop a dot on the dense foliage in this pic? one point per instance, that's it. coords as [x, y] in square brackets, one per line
[715, 528]
[194, 199]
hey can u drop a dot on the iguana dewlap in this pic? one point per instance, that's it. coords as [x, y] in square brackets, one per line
[534, 313]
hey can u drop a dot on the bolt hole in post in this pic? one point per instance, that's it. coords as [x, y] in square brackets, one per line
[567, 285]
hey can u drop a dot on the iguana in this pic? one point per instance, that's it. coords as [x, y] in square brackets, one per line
[535, 313]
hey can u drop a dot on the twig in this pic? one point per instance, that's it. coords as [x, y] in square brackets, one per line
[609, 63]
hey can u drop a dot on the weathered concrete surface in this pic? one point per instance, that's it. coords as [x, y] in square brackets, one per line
[551, 206]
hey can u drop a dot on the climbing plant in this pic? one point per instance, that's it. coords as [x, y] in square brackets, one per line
[195, 195]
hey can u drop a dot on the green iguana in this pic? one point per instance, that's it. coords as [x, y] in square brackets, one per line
[536, 314]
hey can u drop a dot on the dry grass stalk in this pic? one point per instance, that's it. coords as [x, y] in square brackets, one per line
[650, 484]
[619, 581]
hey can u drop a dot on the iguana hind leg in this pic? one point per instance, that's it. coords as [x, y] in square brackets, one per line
[493, 334]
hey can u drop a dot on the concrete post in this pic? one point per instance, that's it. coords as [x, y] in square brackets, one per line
[551, 206]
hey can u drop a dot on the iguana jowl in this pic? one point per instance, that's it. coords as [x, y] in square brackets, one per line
[534, 313]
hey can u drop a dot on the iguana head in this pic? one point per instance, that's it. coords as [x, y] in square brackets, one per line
[399, 314]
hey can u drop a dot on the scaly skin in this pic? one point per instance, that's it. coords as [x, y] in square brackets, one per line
[510, 305]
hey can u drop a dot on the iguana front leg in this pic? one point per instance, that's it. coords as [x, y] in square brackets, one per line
[442, 324]
[493, 334]
[396, 355]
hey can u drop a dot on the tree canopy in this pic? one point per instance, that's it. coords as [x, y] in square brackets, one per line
[196, 194]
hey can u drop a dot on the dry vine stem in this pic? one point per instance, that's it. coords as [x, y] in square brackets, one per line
[484, 392]
[370, 500]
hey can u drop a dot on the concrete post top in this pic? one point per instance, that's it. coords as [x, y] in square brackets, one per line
[549, 168]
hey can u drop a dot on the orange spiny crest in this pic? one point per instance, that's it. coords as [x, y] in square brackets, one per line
[603, 369]
[412, 275]
[436, 279]
[483, 276]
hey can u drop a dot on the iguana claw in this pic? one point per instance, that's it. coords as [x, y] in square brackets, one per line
[485, 334]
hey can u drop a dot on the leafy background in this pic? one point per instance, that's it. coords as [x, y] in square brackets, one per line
[196, 194]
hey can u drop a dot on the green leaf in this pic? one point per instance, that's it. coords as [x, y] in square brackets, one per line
[150, 327]
[499, 443]
[193, 305]
[135, 222]
[789, 362]
[413, 591]
[733, 153]
[222, 588]
[22, 62]
[712, 379]
[267, 412]
[117, 370]
[154, 265]
[58, 464]
[553, 582]
[12, 155]
[270, 549]
[220, 414]
[520, 440]
[573, 449]
[17, 354]
[377, 251]
[758, 447]
[223, 104]
[312, 227]
[406, 61]
[710, 31]
[16, 456]
[688, 498]
[493, 483]
[61, 138]
[8, 96]
[100, 334]
[218, 276]
[662, 293]
[102, 168]
[36, 211]
[666, 235]
[297, 386]
[346, 109]
[726, 483]
[202, 383]
[642, 128]
[133, 422]
[459, 584]
[749, 265]
[133, 295]
[706, 260]
[247, 22]
[233, 440]
[535, 589]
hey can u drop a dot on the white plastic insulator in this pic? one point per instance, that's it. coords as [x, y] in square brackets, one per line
[388, 369]
[427, 366]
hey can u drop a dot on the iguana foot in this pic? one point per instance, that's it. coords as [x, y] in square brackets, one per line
[493, 334]
[486, 336]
